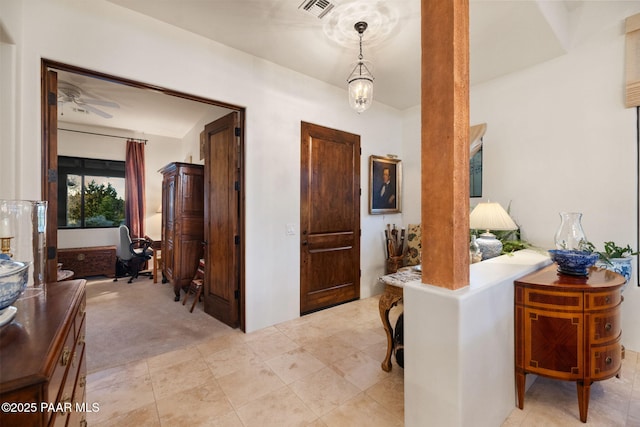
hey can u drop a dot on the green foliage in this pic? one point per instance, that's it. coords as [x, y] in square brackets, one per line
[510, 246]
[611, 251]
[102, 206]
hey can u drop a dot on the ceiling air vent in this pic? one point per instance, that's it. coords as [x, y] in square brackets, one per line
[318, 8]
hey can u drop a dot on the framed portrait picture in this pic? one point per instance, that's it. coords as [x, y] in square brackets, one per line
[385, 185]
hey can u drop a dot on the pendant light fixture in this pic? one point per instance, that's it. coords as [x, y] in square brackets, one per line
[360, 80]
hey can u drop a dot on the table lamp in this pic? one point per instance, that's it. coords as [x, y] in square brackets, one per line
[490, 216]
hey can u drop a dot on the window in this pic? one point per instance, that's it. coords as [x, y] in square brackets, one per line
[90, 193]
[475, 181]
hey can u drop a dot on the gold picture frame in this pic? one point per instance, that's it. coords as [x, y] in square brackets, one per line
[385, 185]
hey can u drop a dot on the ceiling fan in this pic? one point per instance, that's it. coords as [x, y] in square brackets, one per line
[68, 92]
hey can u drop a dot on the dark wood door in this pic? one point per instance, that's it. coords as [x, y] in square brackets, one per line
[50, 168]
[222, 219]
[329, 217]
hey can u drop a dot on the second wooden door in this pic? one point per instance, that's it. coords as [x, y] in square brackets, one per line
[329, 217]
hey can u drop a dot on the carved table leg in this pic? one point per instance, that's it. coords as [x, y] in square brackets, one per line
[389, 299]
[583, 399]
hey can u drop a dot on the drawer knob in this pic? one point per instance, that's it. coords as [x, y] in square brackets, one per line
[66, 353]
[607, 299]
[608, 360]
[607, 326]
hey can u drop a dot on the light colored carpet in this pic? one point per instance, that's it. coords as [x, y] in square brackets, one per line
[127, 322]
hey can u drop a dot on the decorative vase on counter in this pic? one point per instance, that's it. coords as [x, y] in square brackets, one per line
[22, 232]
[570, 234]
[621, 266]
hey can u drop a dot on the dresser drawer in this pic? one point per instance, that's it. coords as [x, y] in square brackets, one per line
[603, 300]
[606, 361]
[605, 326]
[56, 383]
[58, 388]
[554, 300]
[80, 315]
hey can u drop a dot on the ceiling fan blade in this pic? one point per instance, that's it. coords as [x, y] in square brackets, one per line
[95, 110]
[100, 102]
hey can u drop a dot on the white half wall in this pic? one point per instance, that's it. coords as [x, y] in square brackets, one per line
[459, 346]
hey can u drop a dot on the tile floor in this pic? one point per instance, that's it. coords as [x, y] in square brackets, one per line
[319, 370]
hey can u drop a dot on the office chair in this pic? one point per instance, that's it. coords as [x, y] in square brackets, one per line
[133, 254]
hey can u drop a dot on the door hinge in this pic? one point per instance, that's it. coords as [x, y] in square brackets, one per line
[51, 252]
[237, 131]
[52, 98]
[236, 240]
[237, 185]
[52, 175]
[360, 271]
[236, 294]
[360, 192]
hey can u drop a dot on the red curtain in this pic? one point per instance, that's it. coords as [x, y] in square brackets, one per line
[134, 191]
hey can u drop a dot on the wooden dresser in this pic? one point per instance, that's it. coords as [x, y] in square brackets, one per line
[91, 261]
[182, 223]
[42, 359]
[568, 328]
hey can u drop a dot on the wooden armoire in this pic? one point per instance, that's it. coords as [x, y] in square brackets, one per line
[182, 223]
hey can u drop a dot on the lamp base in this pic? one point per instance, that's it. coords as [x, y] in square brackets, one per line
[489, 245]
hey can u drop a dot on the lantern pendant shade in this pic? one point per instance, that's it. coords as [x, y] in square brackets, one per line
[360, 87]
[360, 80]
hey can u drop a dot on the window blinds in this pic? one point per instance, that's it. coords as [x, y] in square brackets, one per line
[632, 91]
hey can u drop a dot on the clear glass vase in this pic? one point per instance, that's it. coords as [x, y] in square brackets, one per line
[570, 234]
[22, 232]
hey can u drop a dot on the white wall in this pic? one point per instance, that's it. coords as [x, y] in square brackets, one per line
[558, 136]
[560, 139]
[119, 42]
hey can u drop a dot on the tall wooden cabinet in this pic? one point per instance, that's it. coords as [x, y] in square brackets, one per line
[182, 222]
[568, 328]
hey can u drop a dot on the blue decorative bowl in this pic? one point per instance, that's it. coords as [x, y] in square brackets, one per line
[13, 280]
[573, 262]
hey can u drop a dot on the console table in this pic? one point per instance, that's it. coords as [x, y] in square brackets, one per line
[391, 296]
[568, 328]
[42, 354]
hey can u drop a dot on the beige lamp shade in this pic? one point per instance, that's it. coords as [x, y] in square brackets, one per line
[490, 216]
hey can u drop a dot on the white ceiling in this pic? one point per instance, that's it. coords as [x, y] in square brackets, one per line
[505, 36]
